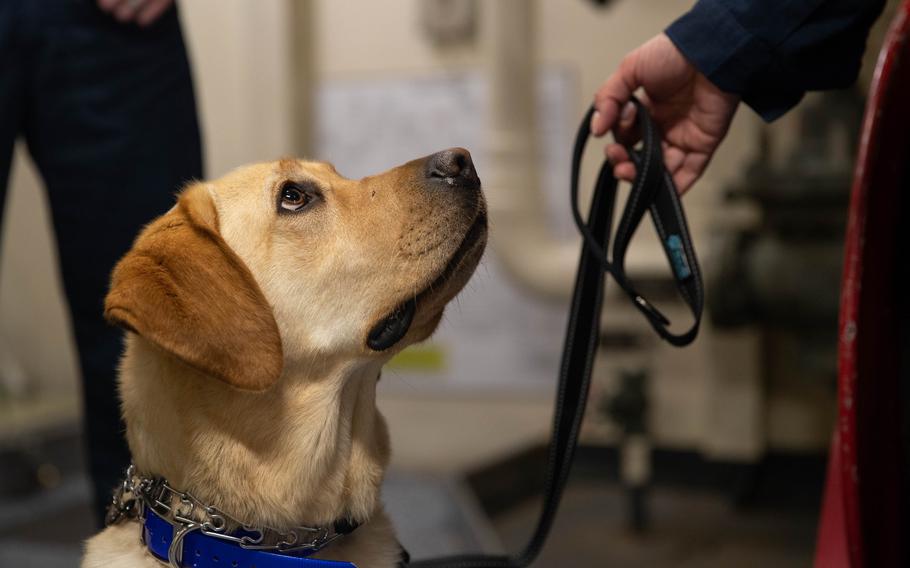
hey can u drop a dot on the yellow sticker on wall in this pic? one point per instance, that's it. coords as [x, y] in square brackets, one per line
[423, 358]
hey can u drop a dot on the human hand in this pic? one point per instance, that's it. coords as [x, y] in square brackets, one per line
[692, 114]
[143, 12]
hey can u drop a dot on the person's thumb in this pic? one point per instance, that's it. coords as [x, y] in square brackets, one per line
[624, 130]
[612, 96]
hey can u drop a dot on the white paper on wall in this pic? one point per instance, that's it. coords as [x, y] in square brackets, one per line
[493, 335]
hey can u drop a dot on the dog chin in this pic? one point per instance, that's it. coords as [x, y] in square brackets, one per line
[423, 312]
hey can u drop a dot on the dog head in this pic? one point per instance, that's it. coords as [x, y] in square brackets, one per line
[278, 263]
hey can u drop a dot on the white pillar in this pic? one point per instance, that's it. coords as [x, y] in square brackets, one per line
[520, 236]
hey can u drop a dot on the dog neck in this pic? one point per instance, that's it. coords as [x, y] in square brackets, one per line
[309, 451]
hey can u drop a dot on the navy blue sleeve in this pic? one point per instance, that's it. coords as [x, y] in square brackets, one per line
[771, 52]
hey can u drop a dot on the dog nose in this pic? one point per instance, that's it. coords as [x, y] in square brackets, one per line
[454, 164]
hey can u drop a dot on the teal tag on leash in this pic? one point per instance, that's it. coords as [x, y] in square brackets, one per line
[678, 257]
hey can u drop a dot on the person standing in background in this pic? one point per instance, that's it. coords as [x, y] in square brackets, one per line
[102, 94]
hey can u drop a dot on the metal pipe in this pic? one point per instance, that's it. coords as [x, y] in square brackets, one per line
[302, 44]
[520, 237]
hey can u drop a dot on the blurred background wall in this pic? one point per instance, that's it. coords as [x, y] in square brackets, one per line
[264, 72]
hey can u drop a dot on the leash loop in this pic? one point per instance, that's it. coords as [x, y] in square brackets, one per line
[652, 191]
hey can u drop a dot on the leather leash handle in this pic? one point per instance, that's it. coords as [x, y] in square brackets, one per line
[654, 192]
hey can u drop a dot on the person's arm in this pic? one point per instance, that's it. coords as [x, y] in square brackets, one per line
[770, 52]
[766, 52]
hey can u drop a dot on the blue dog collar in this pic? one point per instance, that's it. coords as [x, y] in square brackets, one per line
[202, 551]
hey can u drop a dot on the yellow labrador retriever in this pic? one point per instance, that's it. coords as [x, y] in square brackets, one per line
[260, 310]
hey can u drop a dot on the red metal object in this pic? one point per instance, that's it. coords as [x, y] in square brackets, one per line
[861, 524]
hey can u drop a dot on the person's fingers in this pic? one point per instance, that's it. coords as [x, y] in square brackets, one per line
[624, 171]
[128, 9]
[625, 130]
[152, 11]
[109, 5]
[692, 168]
[604, 117]
[612, 95]
[673, 158]
[684, 180]
[616, 154]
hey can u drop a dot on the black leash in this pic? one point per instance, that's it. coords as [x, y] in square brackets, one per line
[652, 191]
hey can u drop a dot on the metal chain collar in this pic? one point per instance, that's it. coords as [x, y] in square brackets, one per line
[187, 514]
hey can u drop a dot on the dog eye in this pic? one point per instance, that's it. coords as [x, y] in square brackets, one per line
[294, 197]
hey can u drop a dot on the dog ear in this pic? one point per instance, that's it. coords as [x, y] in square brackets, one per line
[183, 288]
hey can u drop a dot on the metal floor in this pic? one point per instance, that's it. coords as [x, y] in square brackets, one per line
[436, 516]
[690, 529]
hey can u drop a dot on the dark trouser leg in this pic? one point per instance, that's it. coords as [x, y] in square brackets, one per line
[10, 91]
[113, 130]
